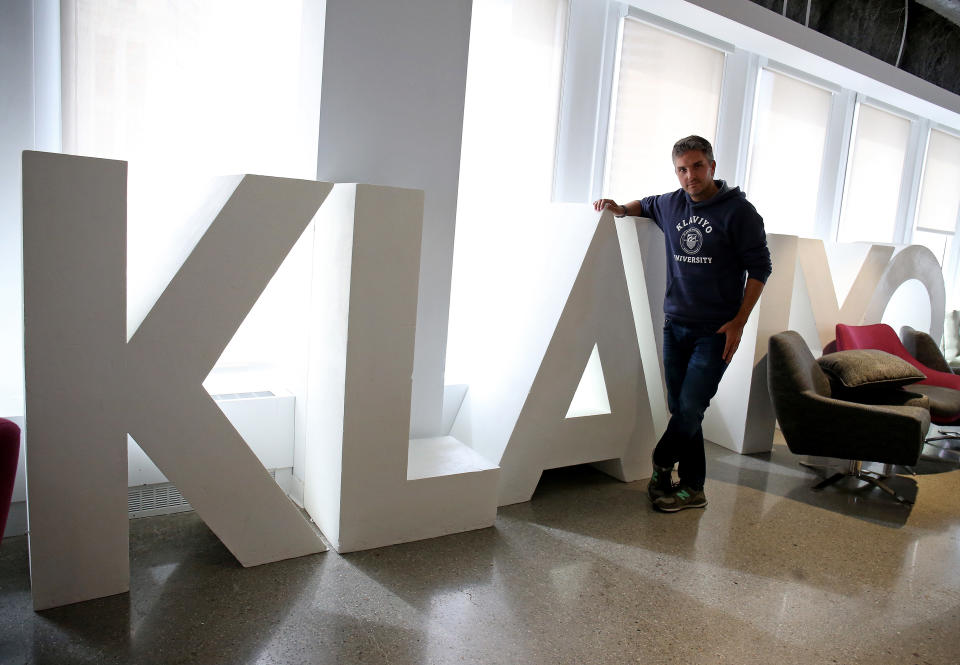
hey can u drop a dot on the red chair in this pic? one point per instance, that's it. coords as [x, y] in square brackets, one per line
[9, 456]
[942, 388]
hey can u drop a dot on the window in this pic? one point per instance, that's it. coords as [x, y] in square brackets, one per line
[506, 164]
[939, 203]
[855, 142]
[213, 86]
[185, 91]
[786, 152]
[871, 195]
[668, 87]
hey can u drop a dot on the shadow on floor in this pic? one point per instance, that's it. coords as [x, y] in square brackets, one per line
[779, 472]
[189, 601]
[759, 521]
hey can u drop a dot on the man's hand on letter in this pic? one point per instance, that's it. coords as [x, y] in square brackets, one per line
[602, 204]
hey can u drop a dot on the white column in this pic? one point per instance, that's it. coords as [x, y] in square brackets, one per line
[391, 113]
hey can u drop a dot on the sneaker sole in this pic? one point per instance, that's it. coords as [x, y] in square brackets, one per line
[677, 509]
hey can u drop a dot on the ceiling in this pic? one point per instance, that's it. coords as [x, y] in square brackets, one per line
[949, 9]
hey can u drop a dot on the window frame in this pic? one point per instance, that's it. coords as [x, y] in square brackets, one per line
[928, 129]
[602, 161]
[951, 265]
[825, 183]
[909, 183]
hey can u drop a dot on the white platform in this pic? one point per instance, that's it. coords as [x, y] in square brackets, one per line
[444, 456]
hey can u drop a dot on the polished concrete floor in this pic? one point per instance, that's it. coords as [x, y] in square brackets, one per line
[770, 572]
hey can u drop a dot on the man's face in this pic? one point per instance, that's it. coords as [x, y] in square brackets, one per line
[695, 173]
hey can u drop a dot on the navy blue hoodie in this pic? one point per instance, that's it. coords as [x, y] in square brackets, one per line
[712, 247]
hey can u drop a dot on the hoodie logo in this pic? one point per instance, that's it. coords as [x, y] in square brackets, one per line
[691, 240]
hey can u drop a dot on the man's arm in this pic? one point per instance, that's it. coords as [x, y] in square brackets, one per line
[618, 210]
[733, 329]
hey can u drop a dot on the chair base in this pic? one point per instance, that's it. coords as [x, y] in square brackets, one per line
[855, 470]
[950, 440]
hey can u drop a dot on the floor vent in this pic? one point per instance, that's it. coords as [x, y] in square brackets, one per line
[160, 499]
[148, 500]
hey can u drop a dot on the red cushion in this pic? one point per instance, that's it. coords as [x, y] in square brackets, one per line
[883, 337]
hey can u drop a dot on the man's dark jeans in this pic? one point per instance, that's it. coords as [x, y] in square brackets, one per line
[693, 364]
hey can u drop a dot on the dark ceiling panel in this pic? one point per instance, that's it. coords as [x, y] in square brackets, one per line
[932, 47]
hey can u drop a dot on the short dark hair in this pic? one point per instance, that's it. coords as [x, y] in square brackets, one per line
[693, 142]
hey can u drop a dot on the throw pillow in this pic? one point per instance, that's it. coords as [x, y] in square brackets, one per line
[868, 369]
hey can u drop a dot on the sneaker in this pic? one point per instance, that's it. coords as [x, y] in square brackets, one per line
[683, 497]
[661, 482]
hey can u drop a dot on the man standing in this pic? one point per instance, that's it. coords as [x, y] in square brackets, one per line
[717, 265]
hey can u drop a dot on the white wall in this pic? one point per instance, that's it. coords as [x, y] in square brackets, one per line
[589, 56]
[16, 109]
[392, 114]
[29, 107]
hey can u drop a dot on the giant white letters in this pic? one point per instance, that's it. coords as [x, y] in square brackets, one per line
[86, 387]
[519, 417]
[365, 483]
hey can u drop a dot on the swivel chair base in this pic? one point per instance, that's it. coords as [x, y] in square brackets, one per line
[855, 470]
[943, 448]
[945, 436]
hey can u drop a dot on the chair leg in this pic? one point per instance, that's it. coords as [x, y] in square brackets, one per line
[867, 477]
[829, 480]
[855, 470]
[816, 468]
[824, 470]
[947, 438]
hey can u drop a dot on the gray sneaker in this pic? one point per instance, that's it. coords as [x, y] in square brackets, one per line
[661, 482]
[681, 498]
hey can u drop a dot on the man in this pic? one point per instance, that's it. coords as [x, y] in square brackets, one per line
[717, 265]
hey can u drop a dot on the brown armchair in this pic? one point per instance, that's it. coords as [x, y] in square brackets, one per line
[923, 347]
[890, 430]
